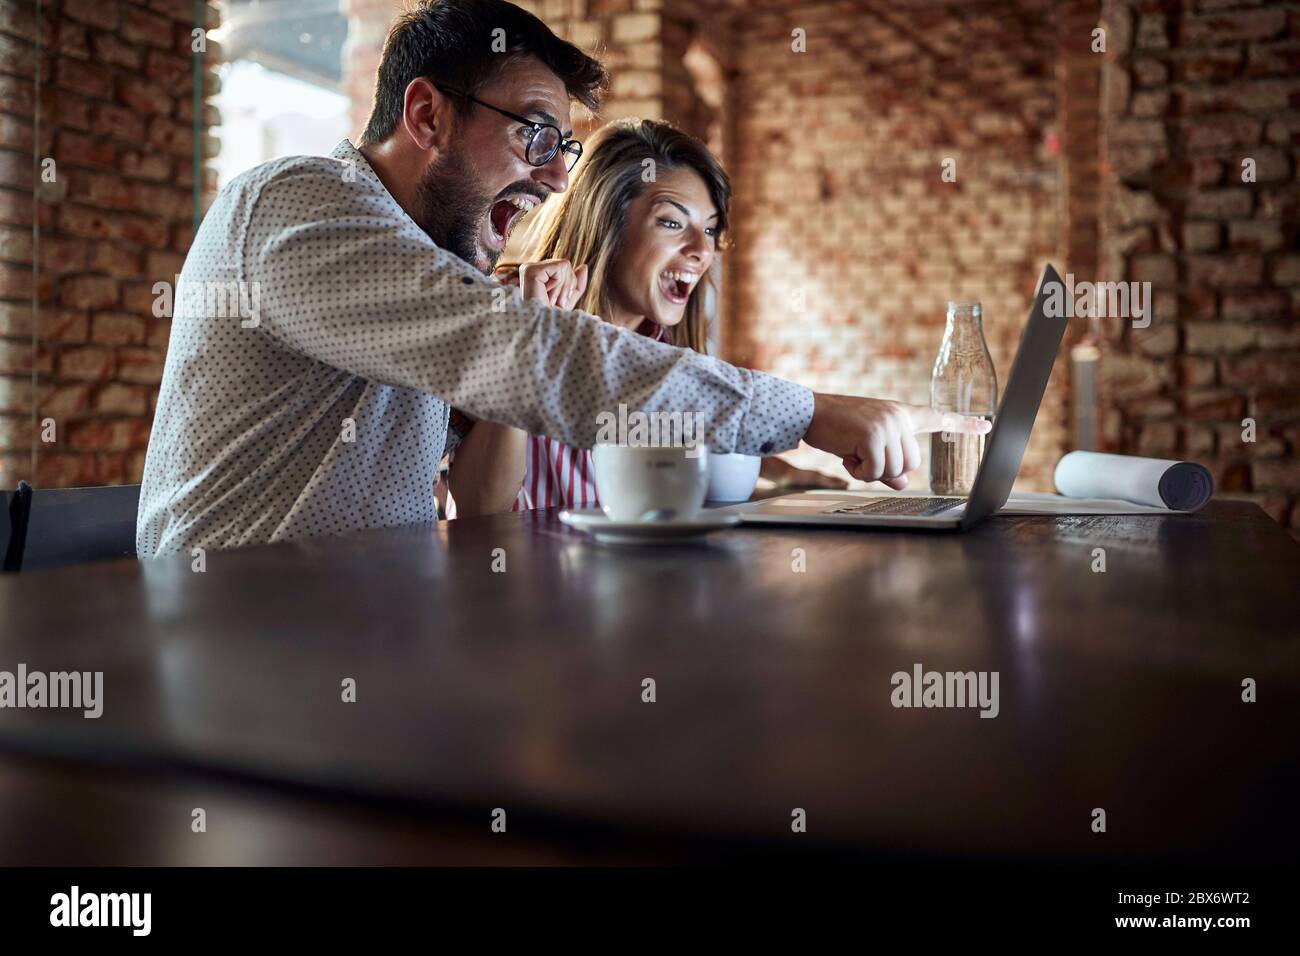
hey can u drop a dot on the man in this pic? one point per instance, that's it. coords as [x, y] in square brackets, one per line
[324, 408]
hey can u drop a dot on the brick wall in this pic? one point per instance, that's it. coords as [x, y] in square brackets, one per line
[848, 239]
[96, 149]
[1192, 91]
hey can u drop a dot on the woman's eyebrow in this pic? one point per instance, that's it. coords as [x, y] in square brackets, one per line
[685, 212]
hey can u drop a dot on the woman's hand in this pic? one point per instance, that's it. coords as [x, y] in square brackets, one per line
[553, 281]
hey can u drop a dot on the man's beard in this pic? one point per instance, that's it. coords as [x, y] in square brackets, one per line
[450, 209]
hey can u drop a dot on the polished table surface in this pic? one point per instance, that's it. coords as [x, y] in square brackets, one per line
[520, 687]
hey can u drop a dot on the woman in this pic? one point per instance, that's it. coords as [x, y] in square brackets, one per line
[643, 218]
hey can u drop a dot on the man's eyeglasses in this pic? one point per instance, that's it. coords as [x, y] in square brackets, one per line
[544, 140]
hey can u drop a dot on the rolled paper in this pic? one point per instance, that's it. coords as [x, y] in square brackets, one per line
[1157, 482]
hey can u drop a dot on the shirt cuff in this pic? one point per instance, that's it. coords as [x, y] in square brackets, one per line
[779, 415]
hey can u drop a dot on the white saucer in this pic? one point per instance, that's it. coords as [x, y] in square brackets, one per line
[594, 520]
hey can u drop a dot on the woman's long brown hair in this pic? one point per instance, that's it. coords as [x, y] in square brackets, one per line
[586, 223]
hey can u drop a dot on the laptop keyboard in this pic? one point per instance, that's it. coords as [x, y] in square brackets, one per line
[913, 505]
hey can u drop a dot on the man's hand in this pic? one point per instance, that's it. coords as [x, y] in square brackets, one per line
[553, 281]
[876, 438]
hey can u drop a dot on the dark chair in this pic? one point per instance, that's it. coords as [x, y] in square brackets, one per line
[56, 527]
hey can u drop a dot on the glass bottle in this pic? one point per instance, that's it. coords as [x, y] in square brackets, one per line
[964, 382]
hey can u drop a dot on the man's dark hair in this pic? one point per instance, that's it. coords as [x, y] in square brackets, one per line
[465, 44]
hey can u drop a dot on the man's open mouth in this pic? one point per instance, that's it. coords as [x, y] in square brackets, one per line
[676, 285]
[504, 214]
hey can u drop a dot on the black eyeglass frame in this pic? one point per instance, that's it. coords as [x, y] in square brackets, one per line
[562, 145]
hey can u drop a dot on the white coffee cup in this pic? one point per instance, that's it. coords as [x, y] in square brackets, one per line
[732, 477]
[637, 483]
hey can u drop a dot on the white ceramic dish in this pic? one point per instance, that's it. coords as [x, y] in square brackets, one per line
[595, 522]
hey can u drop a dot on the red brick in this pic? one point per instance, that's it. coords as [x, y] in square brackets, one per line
[1214, 403]
[1279, 336]
[96, 13]
[1215, 133]
[138, 297]
[107, 48]
[72, 40]
[1260, 235]
[1283, 475]
[19, 20]
[144, 96]
[1148, 71]
[85, 221]
[150, 166]
[140, 26]
[1255, 96]
[65, 108]
[58, 470]
[16, 207]
[77, 149]
[144, 230]
[117, 328]
[1254, 305]
[168, 69]
[1236, 269]
[140, 365]
[108, 119]
[62, 325]
[63, 401]
[17, 57]
[1233, 27]
[1273, 59]
[80, 77]
[1209, 66]
[1197, 439]
[159, 333]
[119, 399]
[1202, 236]
[1286, 270]
[1261, 369]
[16, 432]
[116, 259]
[1158, 439]
[15, 281]
[16, 245]
[16, 170]
[1195, 371]
[166, 201]
[173, 138]
[16, 397]
[86, 363]
[18, 96]
[16, 133]
[104, 191]
[89, 292]
[16, 358]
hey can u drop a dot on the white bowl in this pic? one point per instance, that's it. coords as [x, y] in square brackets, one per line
[732, 477]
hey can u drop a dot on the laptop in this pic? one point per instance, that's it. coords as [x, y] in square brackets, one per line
[1003, 449]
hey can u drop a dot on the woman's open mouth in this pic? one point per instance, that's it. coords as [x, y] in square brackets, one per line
[675, 286]
[502, 218]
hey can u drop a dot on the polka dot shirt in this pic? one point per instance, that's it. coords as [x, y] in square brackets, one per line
[319, 337]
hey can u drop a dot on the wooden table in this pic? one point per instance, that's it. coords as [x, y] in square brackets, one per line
[522, 689]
